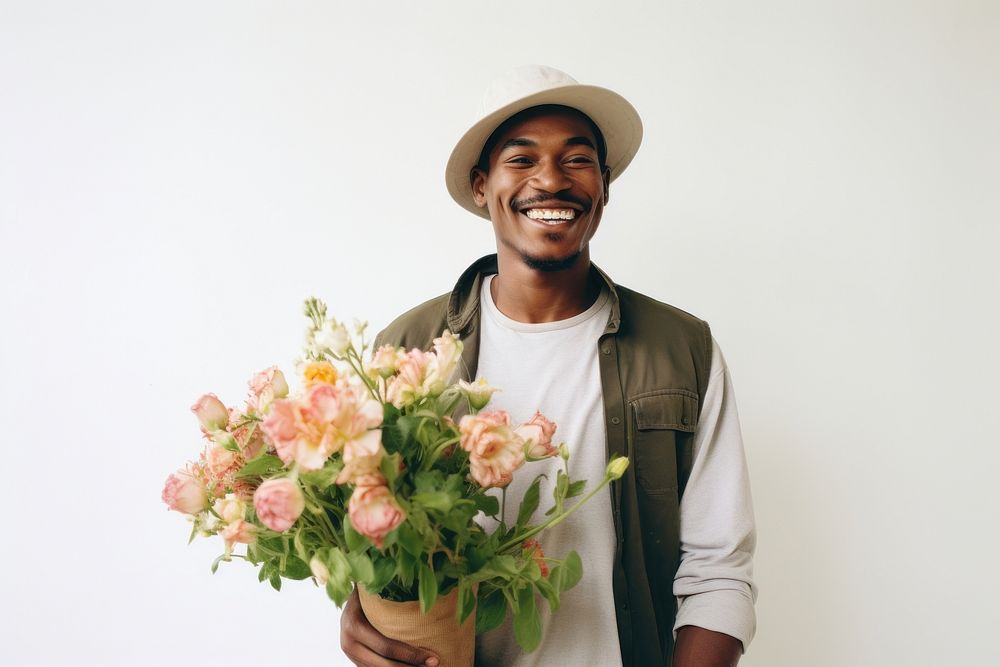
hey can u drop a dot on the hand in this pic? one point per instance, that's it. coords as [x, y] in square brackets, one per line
[367, 647]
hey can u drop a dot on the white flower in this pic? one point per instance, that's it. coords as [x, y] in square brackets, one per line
[334, 337]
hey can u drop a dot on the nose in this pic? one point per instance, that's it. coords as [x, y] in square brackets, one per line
[550, 177]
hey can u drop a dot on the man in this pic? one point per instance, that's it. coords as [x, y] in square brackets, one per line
[668, 550]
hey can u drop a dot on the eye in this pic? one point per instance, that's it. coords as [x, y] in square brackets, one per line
[518, 161]
[580, 160]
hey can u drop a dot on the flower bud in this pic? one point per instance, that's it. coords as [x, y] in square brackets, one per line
[478, 392]
[212, 414]
[617, 467]
[564, 452]
[319, 570]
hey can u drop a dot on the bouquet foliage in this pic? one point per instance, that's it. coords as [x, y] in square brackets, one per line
[374, 472]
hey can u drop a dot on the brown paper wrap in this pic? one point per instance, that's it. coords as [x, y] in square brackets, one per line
[437, 630]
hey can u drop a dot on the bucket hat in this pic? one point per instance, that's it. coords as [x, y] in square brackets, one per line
[533, 85]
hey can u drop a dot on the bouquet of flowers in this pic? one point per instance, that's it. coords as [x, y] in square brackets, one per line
[375, 472]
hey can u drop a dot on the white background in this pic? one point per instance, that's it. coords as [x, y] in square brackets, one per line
[819, 180]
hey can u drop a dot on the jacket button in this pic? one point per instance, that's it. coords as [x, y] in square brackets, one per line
[615, 420]
[607, 350]
[685, 421]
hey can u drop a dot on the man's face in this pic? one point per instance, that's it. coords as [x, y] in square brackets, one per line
[545, 189]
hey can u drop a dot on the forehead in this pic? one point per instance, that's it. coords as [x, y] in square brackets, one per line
[558, 124]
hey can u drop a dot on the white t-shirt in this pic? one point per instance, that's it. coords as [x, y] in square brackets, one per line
[553, 367]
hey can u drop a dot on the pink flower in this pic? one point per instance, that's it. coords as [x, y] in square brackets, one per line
[478, 392]
[495, 450]
[537, 434]
[239, 531]
[385, 361]
[362, 458]
[374, 512]
[265, 387]
[409, 384]
[278, 503]
[211, 413]
[220, 461]
[184, 493]
[320, 424]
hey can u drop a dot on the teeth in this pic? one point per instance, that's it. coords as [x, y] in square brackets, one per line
[545, 214]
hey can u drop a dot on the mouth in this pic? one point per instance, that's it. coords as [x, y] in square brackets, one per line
[550, 216]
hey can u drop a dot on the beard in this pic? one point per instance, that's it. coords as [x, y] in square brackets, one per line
[551, 265]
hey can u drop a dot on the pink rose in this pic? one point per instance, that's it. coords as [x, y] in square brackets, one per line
[374, 512]
[447, 352]
[537, 434]
[211, 413]
[278, 503]
[239, 531]
[495, 450]
[184, 493]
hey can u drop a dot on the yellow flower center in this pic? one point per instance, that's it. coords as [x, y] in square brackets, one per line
[320, 371]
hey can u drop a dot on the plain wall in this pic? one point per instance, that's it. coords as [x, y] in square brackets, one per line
[818, 180]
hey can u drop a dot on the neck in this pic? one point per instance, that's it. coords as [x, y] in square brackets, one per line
[525, 294]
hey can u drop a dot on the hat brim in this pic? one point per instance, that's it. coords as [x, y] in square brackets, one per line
[618, 121]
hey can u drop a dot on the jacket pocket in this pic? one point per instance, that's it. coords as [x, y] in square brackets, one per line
[663, 425]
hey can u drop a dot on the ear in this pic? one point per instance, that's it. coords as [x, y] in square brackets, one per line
[477, 177]
[607, 184]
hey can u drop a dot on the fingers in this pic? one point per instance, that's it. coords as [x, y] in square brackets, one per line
[367, 647]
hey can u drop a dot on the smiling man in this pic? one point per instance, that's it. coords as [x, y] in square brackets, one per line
[668, 550]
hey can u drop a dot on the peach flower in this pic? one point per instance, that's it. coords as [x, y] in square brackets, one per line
[238, 531]
[495, 450]
[309, 430]
[537, 435]
[374, 512]
[212, 414]
[278, 503]
[183, 492]
[265, 387]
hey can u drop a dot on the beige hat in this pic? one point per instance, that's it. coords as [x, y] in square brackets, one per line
[533, 85]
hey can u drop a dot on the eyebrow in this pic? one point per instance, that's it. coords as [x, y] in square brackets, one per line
[520, 141]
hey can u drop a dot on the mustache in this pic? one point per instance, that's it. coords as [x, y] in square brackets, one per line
[565, 197]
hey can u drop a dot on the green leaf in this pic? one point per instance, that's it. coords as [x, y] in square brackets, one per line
[338, 586]
[264, 573]
[490, 611]
[275, 581]
[567, 575]
[427, 587]
[576, 488]
[438, 501]
[489, 505]
[215, 563]
[466, 600]
[406, 568]
[355, 540]
[296, 568]
[361, 567]
[527, 624]
[409, 539]
[559, 493]
[325, 477]
[529, 503]
[390, 468]
[263, 465]
[384, 570]
[549, 592]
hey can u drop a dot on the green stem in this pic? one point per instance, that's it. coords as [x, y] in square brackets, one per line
[517, 539]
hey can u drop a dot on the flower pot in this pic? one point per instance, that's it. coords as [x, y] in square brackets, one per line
[437, 630]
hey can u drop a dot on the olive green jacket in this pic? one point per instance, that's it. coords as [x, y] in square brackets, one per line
[655, 362]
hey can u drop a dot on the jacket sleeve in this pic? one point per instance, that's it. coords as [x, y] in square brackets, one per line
[714, 583]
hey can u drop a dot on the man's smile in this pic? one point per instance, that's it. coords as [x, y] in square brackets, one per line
[550, 216]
